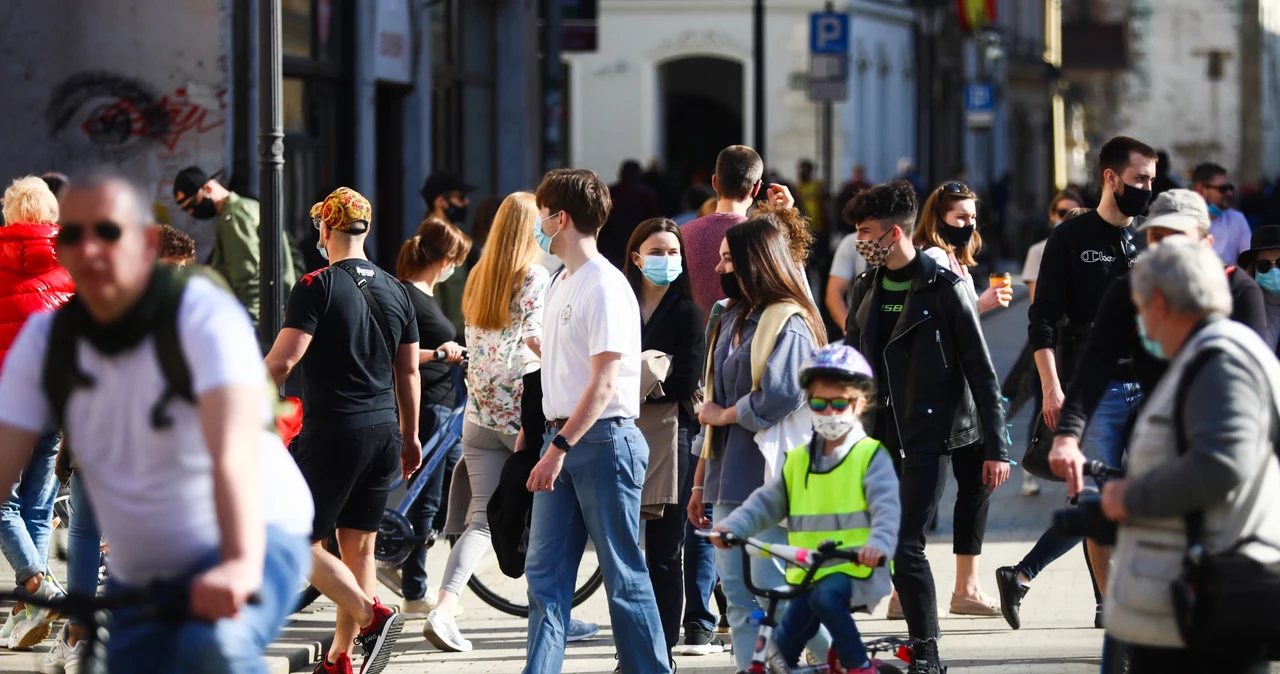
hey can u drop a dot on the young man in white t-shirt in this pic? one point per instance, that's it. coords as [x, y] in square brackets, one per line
[202, 504]
[587, 484]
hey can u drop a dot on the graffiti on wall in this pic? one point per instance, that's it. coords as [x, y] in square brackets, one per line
[121, 116]
[107, 117]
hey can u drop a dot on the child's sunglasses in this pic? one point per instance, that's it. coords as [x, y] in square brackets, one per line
[837, 404]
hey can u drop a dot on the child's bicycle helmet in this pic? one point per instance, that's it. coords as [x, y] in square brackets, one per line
[838, 361]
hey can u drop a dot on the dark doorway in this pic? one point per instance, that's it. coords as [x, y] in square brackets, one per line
[389, 231]
[701, 112]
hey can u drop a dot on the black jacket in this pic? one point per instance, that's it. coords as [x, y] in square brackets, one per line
[943, 387]
[676, 328]
[1115, 334]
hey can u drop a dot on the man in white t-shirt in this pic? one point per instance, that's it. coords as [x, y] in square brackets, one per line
[587, 484]
[846, 265]
[202, 504]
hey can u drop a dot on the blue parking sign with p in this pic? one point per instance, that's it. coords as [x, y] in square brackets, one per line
[828, 33]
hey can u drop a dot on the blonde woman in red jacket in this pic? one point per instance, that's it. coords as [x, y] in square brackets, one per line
[31, 281]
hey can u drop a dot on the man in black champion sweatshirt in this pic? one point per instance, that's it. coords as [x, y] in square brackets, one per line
[1082, 258]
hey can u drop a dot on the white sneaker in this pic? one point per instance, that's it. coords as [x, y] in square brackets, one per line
[62, 657]
[36, 623]
[1030, 485]
[417, 609]
[6, 632]
[580, 631]
[443, 633]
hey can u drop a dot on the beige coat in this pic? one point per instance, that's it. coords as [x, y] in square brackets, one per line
[660, 425]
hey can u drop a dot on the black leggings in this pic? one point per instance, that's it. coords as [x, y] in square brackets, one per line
[921, 479]
[973, 500]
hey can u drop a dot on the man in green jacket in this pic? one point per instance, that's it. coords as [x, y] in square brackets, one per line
[235, 234]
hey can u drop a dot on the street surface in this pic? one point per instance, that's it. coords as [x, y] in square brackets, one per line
[1057, 636]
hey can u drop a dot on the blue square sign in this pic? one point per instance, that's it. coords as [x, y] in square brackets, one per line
[828, 33]
[979, 98]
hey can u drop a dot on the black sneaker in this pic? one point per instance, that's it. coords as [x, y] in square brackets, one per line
[925, 659]
[698, 640]
[1011, 594]
[379, 638]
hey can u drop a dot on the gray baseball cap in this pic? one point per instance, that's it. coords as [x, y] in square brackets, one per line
[1179, 210]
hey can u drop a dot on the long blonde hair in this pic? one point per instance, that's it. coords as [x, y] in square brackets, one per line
[508, 254]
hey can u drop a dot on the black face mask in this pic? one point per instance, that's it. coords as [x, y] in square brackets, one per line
[957, 237]
[204, 209]
[729, 284]
[1133, 201]
[456, 214]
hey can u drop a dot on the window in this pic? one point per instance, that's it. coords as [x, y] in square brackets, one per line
[463, 56]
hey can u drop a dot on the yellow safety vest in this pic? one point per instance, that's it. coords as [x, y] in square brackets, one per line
[830, 506]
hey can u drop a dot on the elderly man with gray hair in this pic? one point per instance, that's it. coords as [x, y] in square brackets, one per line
[1202, 455]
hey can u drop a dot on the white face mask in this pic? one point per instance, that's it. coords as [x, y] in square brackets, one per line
[834, 426]
[446, 275]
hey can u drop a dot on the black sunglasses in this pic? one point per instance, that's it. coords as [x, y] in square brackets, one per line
[1126, 243]
[1062, 213]
[954, 187]
[1263, 266]
[1224, 187]
[72, 234]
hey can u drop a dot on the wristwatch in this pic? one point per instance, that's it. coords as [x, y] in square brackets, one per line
[560, 442]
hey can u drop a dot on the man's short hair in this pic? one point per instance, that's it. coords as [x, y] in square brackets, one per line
[176, 245]
[738, 169]
[1116, 153]
[578, 192]
[1188, 274]
[1203, 173]
[100, 176]
[893, 202]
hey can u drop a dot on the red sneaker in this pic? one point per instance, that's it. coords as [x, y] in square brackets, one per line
[378, 640]
[833, 665]
[342, 666]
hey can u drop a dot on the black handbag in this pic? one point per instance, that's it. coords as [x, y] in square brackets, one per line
[1223, 598]
[1036, 459]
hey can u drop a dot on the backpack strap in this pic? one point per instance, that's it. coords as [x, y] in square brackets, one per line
[374, 308]
[61, 374]
[173, 363]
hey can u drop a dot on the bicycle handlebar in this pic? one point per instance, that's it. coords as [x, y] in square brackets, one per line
[441, 355]
[1101, 472]
[810, 560]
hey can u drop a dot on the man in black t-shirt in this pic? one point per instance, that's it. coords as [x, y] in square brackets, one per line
[352, 330]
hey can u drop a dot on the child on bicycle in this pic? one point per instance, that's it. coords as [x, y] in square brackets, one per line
[840, 487]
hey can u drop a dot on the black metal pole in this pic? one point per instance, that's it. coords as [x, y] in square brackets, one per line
[552, 86]
[271, 172]
[828, 138]
[758, 30]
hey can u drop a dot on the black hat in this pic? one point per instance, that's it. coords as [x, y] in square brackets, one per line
[1265, 238]
[441, 183]
[508, 511]
[190, 180]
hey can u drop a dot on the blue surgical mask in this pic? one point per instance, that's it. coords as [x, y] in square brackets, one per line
[1270, 281]
[446, 274]
[1151, 346]
[544, 241]
[1214, 211]
[662, 270]
[323, 253]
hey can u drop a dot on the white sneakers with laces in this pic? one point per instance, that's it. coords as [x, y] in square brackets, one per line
[63, 658]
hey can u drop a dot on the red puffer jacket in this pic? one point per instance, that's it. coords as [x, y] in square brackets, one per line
[31, 280]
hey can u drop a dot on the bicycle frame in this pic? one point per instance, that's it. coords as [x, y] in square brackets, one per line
[811, 561]
[436, 447]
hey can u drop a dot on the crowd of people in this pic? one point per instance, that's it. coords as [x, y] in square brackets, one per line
[619, 366]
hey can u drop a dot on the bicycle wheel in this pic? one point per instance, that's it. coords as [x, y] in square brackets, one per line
[511, 595]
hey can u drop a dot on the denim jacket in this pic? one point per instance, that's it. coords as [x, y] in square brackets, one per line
[737, 468]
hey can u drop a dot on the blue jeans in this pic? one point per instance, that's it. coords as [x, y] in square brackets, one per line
[699, 563]
[826, 605]
[596, 495]
[84, 542]
[1104, 438]
[26, 519]
[764, 573]
[424, 513]
[140, 645]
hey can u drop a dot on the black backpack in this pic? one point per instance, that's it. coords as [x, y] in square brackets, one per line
[61, 373]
